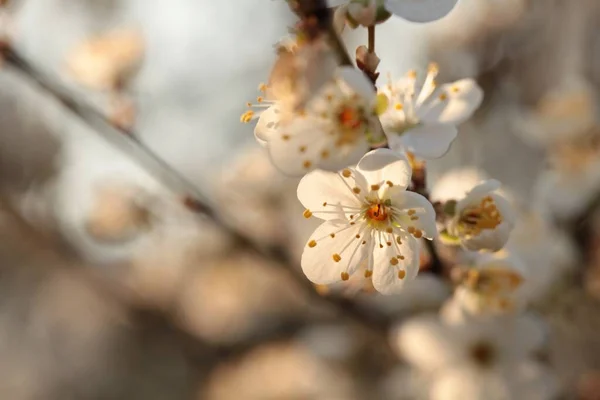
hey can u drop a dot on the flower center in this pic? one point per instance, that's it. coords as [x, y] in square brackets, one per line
[483, 354]
[351, 121]
[350, 118]
[377, 212]
[483, 216]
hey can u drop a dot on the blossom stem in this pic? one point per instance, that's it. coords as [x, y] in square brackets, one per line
[371, 32]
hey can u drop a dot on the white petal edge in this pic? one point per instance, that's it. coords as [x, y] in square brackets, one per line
[420, 10]
[357, 81]
[461, 99]
[427, 142]
[380, 165]
[385, 275]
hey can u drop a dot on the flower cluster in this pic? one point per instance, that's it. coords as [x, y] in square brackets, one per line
[356, 146]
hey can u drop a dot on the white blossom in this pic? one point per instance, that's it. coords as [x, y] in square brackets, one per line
[483, 219]
[477, 359]
[423, 118]
[547, 253]
[369, 218]
[491, 286]
[333, 131]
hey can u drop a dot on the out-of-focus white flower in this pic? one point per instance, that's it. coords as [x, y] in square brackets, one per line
[106, 61]
[420, 10]
[332, 132]
[488, 351]
[483, 219]
[566, 112]
[300, 71]
[547, 254]
[454, 184]
[528, 380]
[280, 371]
[119, 214]
[422, 119]
[491, 286]
[566, 189]
[369, 216]
[426, 293]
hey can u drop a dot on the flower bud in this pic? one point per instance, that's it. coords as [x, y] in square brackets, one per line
[366, 12]
[366, 61]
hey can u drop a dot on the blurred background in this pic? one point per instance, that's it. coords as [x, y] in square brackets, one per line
[114, 286]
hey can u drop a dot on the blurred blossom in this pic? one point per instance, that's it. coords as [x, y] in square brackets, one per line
[572, 181]
[280, 371]
[118, 214]
[456, 183]
[330, 342]
[427, 292]
[548, 255]
[474, 359]
[473, 20]
[491, 286]
[258, 197]
[301, 70]
[107, 61]
[567, 111]
[332, 131]
[236, 296]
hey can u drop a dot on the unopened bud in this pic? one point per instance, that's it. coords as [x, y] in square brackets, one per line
[366, 12]
[366, 61]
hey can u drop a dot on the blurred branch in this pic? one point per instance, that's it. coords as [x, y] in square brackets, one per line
[129, 144]
[317, 19]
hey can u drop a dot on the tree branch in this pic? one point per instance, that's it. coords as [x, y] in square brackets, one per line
[129, 144]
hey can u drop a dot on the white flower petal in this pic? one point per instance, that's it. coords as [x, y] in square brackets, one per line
[470, 383]
[477, 193]
[425, 141]
[490, 240]
[318, 261]
[506, 209]
[420, 10]
[385, 270]
[452, 103]
[325, 191]
[267, 125]
[532, 334]
[299, 147]
[428, 344]
[404, 200]
[357, 81]
[381, 165]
